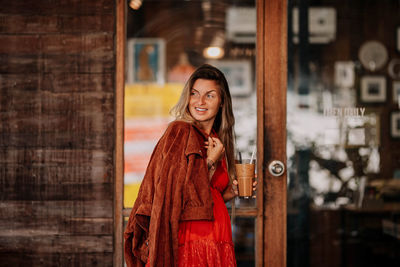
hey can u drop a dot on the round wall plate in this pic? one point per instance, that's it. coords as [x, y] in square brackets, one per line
[394, 68]
[373, 55]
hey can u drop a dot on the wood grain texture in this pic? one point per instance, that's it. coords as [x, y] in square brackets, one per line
[46, 24]
[56, 244]
[57, 82]
[59, 158]
[261, 175]
[23, 104]
[57, 259]
[28, 123]
[119, 133]
[274, 69]
[57, 175]
[57, 115]
[27, 190]
[58, 140]
[57, 226]
[66, 7]
[97, 42]
[93, 63]
[41, 210]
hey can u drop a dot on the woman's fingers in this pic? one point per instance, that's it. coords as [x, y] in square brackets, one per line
[235, 187]
[254, 185]
[216, 141]
[215, 148]
[254, 188]
[210, 141]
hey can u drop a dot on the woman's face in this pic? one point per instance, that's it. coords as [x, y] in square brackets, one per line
[205, 101]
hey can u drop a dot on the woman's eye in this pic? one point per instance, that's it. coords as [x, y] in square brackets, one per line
[210, 96]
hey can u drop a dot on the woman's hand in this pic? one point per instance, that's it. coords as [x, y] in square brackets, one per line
[234, 192]
[215, 149]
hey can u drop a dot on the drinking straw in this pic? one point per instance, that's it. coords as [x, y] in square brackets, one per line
[240, 157]
[252, 155]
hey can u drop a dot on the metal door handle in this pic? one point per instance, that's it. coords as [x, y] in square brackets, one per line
[276, 168]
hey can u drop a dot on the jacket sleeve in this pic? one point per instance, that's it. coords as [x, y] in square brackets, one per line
[148, 234]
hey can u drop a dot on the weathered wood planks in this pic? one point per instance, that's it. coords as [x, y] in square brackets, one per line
[41, 210]
[36, 24]
[57, 109]
[58, 259]
[57, 244]
[56, 226]
[91, 63]
[49, 7]
[57, 43]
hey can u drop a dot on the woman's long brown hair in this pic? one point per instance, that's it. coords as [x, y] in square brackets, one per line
[224, 122]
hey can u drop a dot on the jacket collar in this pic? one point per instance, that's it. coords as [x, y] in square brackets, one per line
[193, 144]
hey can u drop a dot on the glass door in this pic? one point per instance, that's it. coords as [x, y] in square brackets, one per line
[343, 133]
[165, 41]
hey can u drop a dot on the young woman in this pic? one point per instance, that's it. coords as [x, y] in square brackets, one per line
[180, 217]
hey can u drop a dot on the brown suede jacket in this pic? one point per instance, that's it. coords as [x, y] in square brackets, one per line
[175, 187]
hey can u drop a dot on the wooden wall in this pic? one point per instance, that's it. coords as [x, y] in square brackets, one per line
[359, 21]
[57, 80]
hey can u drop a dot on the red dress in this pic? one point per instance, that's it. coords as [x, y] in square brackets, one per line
[209, 243]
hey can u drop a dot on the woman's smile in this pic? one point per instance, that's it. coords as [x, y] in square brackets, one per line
[201, 110]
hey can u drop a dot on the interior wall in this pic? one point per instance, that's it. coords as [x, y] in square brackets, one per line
[57, 69]
[357, 22]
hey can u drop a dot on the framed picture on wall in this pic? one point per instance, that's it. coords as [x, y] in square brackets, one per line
[344, 74]
[238, 74]
[396, 92]
[373, 89]
[363, 131]
[395, 124]
[146, 60]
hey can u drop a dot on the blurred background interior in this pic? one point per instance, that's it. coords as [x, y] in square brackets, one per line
[343, 117]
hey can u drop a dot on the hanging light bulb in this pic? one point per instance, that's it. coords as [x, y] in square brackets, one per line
[135, 4]
[216, 48]
[213, 52]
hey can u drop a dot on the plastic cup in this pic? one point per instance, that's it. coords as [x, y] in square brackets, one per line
[245, 176]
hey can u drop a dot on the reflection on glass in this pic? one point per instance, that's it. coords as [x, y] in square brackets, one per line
[166, 41]
[162, 54]
[342, 157]
[243, 237]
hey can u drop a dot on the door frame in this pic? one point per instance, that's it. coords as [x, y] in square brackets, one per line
[120, 44]
[271, 82]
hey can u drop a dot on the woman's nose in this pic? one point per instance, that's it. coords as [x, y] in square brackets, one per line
[202, 100]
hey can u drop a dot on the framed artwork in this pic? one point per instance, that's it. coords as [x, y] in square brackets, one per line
[373, 89]
[146, 60]
[363, 131]
[344, 74]
[238, 74]
[396, 92]
[395, 124]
